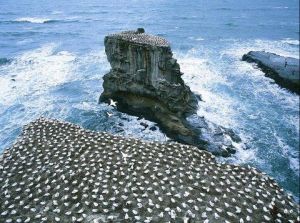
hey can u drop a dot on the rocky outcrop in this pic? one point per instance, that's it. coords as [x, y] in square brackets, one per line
[146, 80]
[59, 172]
[143, 65]
[284, 70]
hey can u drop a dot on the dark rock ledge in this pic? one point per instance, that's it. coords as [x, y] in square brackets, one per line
[59, 172]
[146, 81]
[283, 70]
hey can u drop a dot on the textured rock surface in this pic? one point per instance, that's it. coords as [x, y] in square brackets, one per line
[146, 80]
[143, 65]
[59, 172]
[284, 70]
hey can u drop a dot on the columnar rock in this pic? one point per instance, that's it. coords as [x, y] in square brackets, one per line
[142, 65]
[284, 70]
[146, 80]
[60, 172]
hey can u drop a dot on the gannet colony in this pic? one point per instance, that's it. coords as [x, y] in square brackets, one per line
[60, 172]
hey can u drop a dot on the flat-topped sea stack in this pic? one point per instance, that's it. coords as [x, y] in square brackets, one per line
[59, 172]
[146, 80]
[143, 69]
[284, 70]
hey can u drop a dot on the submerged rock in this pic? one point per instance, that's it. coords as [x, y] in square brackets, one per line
[146, 80]
[284, 70]
[59, 172]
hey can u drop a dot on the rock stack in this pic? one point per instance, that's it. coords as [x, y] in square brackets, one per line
[146, 81]
[142, 65]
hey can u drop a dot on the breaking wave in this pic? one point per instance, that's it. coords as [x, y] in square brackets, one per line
[34, 20]
[58, 84]
[237, 95]
[37, 20]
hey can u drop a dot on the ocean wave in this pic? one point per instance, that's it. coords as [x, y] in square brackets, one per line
[196, 38]
[50, 82]
[207, 78]
[223, 9]
[238, 49]
[34, 72]
[37, 20]
[289, 153]
[56, 12]
[289, 41]
[34, 20]
[238, 96]
[203, 76]
[4, 61]
[19, 34]
[280, 7]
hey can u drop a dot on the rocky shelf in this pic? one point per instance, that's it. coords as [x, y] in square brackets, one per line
[146, 81]
[284, 70]
[60, 172]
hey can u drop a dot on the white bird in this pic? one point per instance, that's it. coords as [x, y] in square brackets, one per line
[112, 103]
[109, 114]
[125, 156]
[185, 219]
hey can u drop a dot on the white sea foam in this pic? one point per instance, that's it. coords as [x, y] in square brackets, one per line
[202, 77]
[33, 72]
[280, 7]
[25, 41]
[56, 12]
[241, 156]
[133, 128]
[33, 20]
[196, 38]
[291, 41]
[232, 105]
[238, 48]
[289, 153]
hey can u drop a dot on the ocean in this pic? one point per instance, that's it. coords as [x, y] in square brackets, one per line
[52, 61]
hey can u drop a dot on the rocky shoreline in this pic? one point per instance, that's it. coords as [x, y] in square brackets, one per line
[145, 80]
[60, 172]
[283, 70]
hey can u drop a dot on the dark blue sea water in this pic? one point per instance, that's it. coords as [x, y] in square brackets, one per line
[52, 62]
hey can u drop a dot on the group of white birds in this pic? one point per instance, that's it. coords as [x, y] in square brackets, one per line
[113, 104]
[59, 172]
[142, 38]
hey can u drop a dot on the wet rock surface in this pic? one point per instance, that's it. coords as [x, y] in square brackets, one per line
[284, 70]
[60, 172]
[146, 81]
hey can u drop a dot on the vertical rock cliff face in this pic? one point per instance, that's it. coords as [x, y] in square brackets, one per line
[146, 80]
[143, 65]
